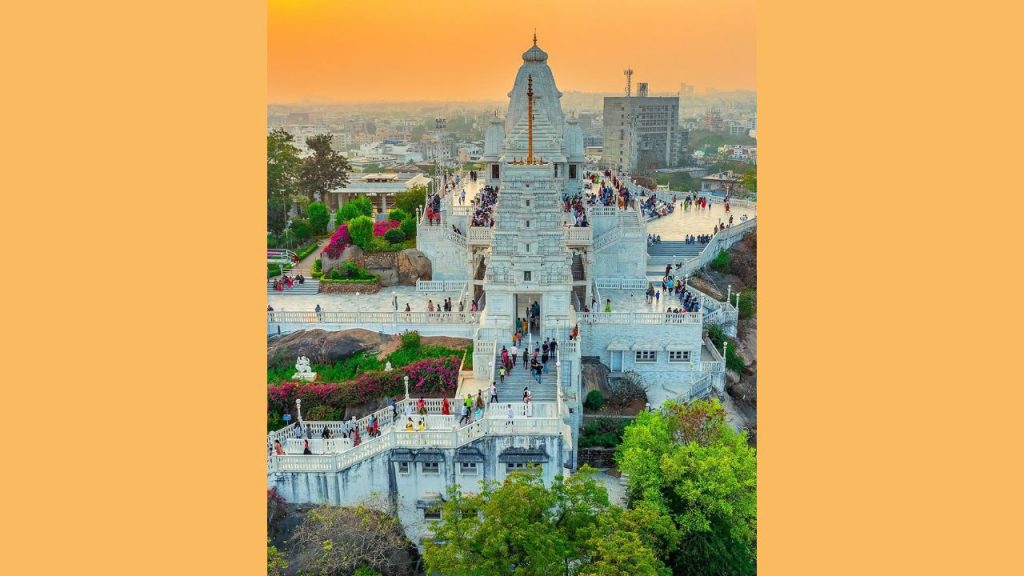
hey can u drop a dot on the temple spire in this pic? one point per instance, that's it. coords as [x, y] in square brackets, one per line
[534, 36]
[529, 115]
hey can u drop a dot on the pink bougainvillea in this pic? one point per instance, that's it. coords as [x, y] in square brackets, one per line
[338, 242]
[381, 228]
[432, 378]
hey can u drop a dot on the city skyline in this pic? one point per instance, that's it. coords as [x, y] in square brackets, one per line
[329, 52]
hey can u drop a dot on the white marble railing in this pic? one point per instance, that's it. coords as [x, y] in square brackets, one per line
[393, 438]
[639, 318]
[622, 283]
[699, 387]
[455, 237]
[362, 317]
[579, 235]
[570, 346]
[483, 359]
[602, 210]
[712, 367]
[719, 242]
[481, 234]
[440, 285]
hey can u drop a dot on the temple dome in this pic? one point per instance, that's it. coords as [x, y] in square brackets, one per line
[535, 54]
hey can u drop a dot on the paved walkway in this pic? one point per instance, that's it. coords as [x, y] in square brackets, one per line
[694, 221]
[307, 262]
[379, 302]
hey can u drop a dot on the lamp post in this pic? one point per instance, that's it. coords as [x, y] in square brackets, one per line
[298, 408]
[406, 380]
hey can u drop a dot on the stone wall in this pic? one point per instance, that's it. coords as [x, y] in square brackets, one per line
[380, 477]
[597, 457]
[596, 338]
[383, 264]
[348, 288]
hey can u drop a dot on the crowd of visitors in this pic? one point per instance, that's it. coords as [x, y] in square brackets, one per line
[285, 282]
[483, 207]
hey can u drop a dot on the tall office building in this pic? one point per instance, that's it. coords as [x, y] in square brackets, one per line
[641, 132]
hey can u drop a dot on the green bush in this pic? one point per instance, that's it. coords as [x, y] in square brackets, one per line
[319, 217]
[301, 230]
[594, 401]
[322, 413]
[354, 208]
[411, 340]
[398, 214]
[306, 250]
[408, 227]
[360, 229]
[748, 304]
[337, 372]
[411, 199]
[378, 244]
[721, 262]
[733, 361]
[394, 236]
[603, 432]
[349, 271]
[273, 270]
[273, 241]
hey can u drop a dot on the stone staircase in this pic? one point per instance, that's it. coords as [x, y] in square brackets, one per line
[669, 252]
[307, 288]
[512, 389]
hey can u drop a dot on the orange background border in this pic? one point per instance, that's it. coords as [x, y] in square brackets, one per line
[888, 135]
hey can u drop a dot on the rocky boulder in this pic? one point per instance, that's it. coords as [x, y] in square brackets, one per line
[388, 276]
[413, 265]
[594, 374]
[321, 346]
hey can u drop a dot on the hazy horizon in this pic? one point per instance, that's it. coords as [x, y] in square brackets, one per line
[329, 52]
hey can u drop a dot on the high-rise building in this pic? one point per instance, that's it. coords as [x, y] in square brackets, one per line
[641, 132]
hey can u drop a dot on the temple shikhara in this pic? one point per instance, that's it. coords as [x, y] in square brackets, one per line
[528, 236]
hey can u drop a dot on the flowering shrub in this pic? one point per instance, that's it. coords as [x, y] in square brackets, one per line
[433, 378]
[381, 228]
[338, 242]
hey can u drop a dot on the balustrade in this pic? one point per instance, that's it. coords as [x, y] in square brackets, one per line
[639, 318]
[579, 235]
[366, 317]
[494, 424]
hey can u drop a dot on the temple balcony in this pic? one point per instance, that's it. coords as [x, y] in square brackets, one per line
[576, 236]
[480, 235]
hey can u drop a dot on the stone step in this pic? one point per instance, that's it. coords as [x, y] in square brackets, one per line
[309, 287]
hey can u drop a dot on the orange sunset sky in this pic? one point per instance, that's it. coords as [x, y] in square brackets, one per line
[400, 50]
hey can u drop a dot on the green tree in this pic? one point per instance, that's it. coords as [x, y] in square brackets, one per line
[521, 527]
[360, 229]
[319, 217]
[687, 461]
[359, 206]
[397, 214]
[411, 199]
[277, 215]
[323, 170]
[749, 182]
[283, 164]
[301, 230]
[336, 541]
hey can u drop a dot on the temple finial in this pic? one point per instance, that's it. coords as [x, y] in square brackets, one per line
[534, 36]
